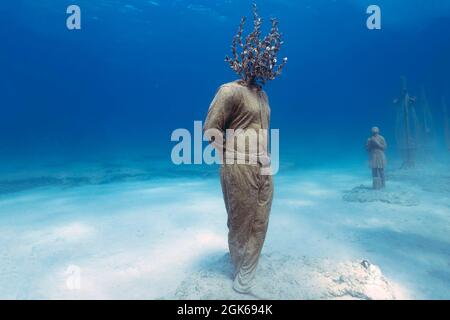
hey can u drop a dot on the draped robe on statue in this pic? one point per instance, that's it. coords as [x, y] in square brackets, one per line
[376, 145]
[246, 190]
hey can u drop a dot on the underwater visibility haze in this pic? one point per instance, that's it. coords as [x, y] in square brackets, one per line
[87, 183]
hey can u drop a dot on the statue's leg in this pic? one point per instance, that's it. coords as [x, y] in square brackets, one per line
[383, 177]
[240, 191]
[248, 198]
[376, 179]
[247, 271]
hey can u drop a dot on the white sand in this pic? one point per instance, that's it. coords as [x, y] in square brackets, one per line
[156, 238]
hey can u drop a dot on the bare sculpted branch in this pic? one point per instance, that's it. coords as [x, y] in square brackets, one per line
[255, 59]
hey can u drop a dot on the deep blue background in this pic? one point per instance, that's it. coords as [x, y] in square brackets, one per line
[136, 71]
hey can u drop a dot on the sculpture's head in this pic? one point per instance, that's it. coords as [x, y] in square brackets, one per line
[375, 131]
[253, 58]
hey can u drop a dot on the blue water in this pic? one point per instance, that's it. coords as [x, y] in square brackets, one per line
[138, 70]
[77, 107]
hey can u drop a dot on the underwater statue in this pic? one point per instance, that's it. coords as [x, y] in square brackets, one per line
[407, 128]
[376, 145]
[238, 108]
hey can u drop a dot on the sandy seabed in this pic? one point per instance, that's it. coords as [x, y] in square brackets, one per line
[130, 236]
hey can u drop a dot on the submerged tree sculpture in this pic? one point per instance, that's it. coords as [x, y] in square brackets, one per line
[253, 58]
[426, 125]
[407, 129]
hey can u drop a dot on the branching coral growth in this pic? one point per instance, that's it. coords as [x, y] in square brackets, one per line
[255, 59]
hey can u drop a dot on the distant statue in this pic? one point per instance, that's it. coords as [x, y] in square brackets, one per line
[242, 106]
[376, 145]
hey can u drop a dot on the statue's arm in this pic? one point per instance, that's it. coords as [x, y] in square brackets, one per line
[218, 117]
[380, 143]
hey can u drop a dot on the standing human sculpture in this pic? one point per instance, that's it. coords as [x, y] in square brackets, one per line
[376, 146]
[242, 106]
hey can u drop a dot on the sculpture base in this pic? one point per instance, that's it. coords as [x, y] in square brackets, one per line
[285, 277]
[365, 194]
